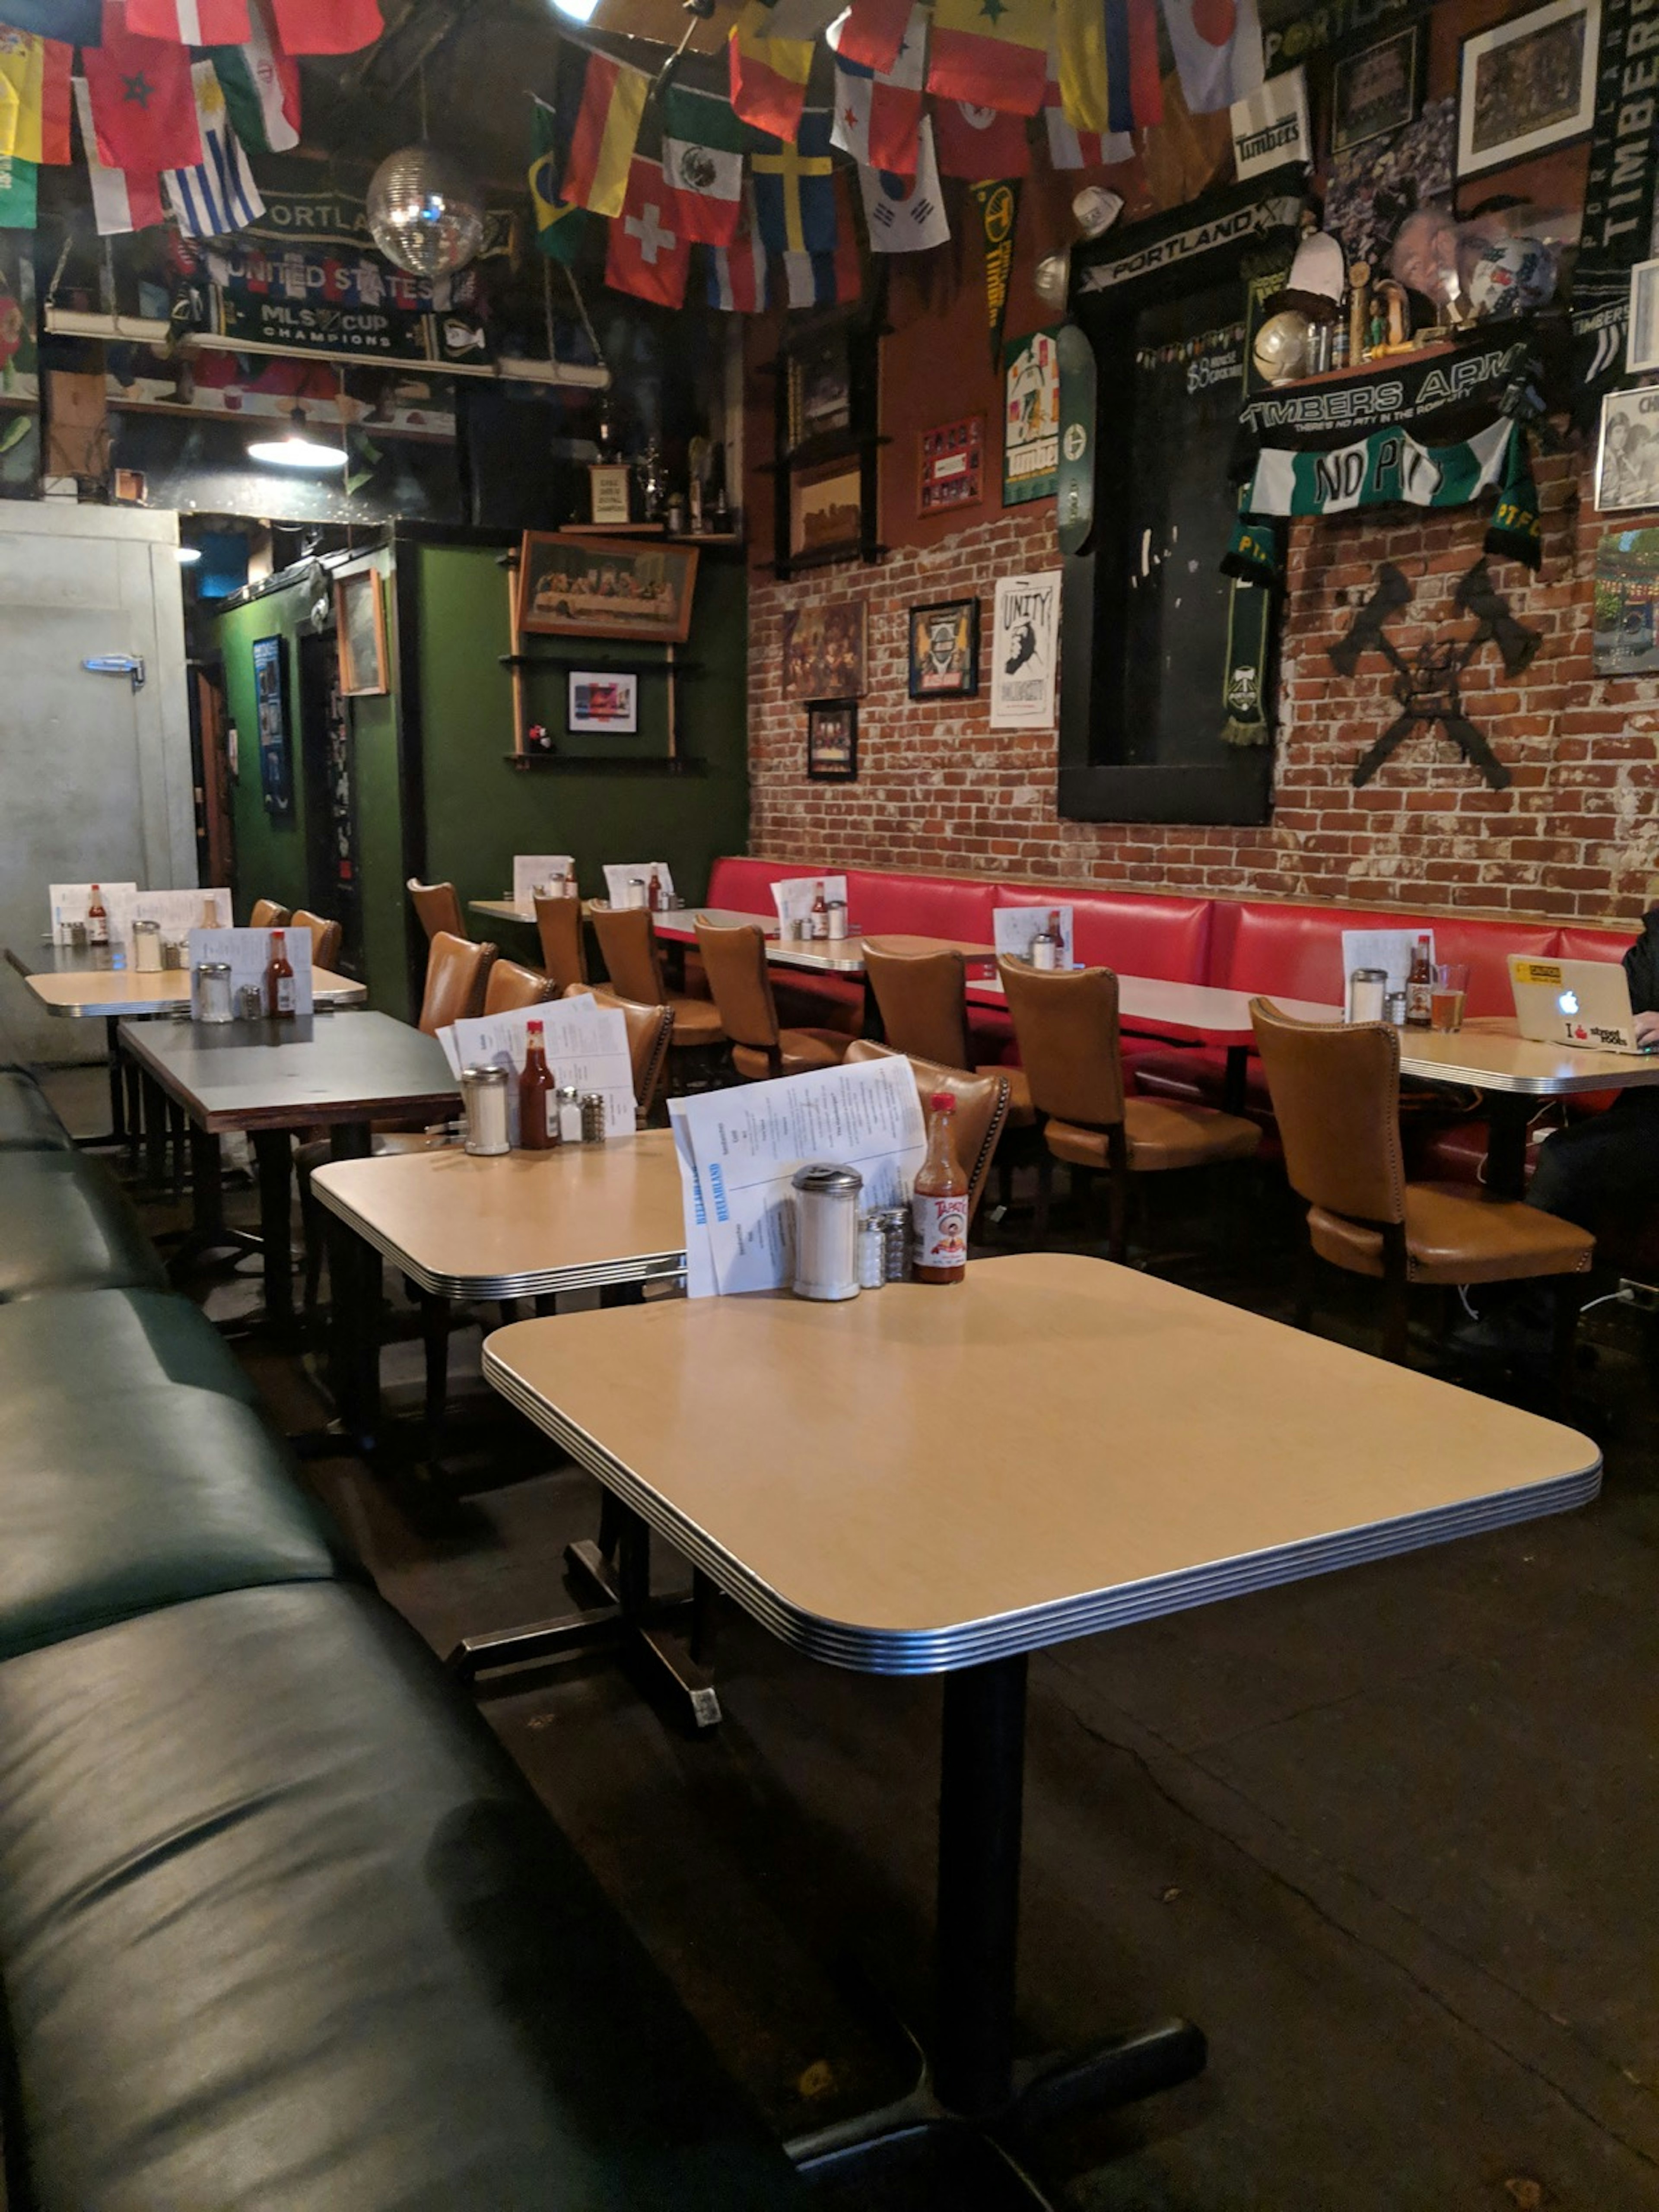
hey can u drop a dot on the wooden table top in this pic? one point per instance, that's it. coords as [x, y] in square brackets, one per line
[1185, 1009]
[520, 1226]
[313, 1073]
[503, 909]
[1490, 1054]
[82, 992]
[924, 1478]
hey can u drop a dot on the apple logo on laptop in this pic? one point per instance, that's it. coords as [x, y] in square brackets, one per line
[1568, 1002]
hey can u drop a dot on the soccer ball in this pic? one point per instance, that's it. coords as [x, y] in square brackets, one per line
[1281, 350]
[1512, 276]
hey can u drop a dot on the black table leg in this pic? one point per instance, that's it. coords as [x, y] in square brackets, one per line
[132, 1082]
[117, 1088]
[156, 1131]
[873, 1028]
[355, 1300]
[1508, 1117]
[1233, 1079]
[274, 1152]
[209, 1230]
[178, 1136]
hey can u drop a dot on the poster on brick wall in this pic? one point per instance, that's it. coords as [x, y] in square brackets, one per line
[1030, 418]
[1626, 636]
[1024, 652]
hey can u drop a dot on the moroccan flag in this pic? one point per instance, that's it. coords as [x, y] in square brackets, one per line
[795, 191]
[261, 86]
[991, 54]
[980, 142]
[190, 22]
[647, 256]
[143, 105]
[120, 204]
[604, 127]
[560, 226]
[878, 112]
[327, 27]
[768, 75]
[35, 98]
[872, 30]
[76, 23]
[703, 143]
[1218, 50]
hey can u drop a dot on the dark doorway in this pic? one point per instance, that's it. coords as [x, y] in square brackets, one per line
[333, 883]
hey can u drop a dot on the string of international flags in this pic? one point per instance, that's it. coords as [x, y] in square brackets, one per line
[747, 177]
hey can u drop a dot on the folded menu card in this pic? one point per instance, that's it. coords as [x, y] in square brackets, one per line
[587, 1046]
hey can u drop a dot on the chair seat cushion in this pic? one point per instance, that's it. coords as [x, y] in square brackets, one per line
[1162, 1135]
[116, 1505]
[1456, 1235]
[696, 1021]
[65, 1225]
[27, 1123]
[283, 1927]
[114, 1340]
[1022, 1113]
[800, 1050]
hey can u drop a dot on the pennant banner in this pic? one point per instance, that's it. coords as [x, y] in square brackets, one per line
[999, 212]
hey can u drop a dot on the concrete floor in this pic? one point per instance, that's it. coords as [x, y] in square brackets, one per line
[1385, 1835]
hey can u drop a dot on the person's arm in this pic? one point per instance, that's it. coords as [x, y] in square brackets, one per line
[1642, 971]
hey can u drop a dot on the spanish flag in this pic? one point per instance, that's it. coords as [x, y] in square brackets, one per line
[991, 54]
[605, 128]
[768, 75]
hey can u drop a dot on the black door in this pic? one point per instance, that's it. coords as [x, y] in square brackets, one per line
[332, 870]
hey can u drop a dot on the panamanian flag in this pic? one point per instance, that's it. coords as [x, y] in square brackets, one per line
[878, 112]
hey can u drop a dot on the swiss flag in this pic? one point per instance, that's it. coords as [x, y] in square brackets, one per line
[650, 254]
[980, 142]
[143, 103]
[327, 27]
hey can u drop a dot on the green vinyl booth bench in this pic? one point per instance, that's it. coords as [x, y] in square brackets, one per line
[281, 1925]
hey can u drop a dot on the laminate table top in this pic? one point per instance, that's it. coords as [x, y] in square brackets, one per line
[503, 909]
[925, 1478]
[321, 1070]
[82, 992]
[1490, 1054]
[1150, 1003]
[521, 1225]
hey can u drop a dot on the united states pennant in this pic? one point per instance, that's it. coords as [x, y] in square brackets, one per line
[190, 22]
[219, 194]
[991, 54]
[604, 130]
[143, 105]
[646, 255]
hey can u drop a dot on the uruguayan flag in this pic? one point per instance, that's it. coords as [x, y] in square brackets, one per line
[219, 194]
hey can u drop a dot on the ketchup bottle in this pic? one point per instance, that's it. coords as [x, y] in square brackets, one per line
[539, 1095]
[939, 1208]
[97, 918]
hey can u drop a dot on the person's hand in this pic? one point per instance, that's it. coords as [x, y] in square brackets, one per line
[1647, 1030]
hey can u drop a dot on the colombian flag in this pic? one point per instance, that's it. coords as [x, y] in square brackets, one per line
[768, 75]
[991, 54]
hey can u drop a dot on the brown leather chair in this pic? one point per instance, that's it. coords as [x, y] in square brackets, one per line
[511, 985]
[267, 915]
[983, 1102]
[437, 907]
[633, 960]
[922, 997]
[457, 976]
[734, 961]
[1066, 1027]
[325, 937]
[1335, 1092]
[564, 949]
[650, 1031]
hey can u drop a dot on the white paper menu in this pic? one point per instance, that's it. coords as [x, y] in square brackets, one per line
[617, 879]
[1390, 950]
[532, 869]
[1014, 927]
[739, 1150]
[586, 1045]
[248, 951]
[180, 912]
[796, 896]
[69, 903]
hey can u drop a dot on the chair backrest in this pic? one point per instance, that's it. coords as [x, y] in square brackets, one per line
[982, 1107]
[267, 915]
[650, 1032]
[628, 942]
[921, 998]
[734, 961]
[564, 953]
[325, 937]
[1335, 1093]
[438, 908]
[1066, 1026]
[511, 985]
[457, 976]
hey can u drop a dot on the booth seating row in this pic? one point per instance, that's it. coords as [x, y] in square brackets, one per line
[281, 1925]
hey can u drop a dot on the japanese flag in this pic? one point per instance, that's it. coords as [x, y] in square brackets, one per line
[1218, 50]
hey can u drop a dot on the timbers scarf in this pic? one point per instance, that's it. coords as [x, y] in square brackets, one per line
[1621, 198]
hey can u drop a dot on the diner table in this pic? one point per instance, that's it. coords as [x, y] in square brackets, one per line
[926, 1481]
[334, 1071]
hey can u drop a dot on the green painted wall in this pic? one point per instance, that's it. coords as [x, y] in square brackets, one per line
[271, 850]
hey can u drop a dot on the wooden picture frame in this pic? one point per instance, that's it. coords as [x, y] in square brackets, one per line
[832, 741]
[1377, 89]
[1527, 84]
[824, 650]
[944, 650]
[1627, 452]
[951, 471]
[574, 585]
[826, 509]
[360, 618]
[818, 386]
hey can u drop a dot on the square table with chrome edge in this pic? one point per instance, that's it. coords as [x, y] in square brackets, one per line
[1055, 1448]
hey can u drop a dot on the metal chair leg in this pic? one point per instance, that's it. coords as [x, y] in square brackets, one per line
[1396, 1289]
[1045, 1195]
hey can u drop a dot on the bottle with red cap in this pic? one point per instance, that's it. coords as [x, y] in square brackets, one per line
[939, 1208]
[539, 1095]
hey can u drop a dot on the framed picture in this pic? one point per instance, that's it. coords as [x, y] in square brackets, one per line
[1627, 459]
[602, 699]
[1641, 347]
[1625, 637]
[360, 614]
[823, 651]
[605, 587]
[952, 466]
[944, 650]
[826, 508]
[1527, 84]
[271, 695]
[819, 387]
[607, 488]
[832, 741]
[1024, 652]
[1377, 89]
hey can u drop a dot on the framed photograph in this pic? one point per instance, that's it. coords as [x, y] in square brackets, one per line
[360, 616]
[1642, 346]
[607, 486]
[1625, 638]
[819, 387]
[832, 741]
[944, 650]
[1527, 84]
[952, 466]
[270, 695]
[1627, 459]
[826, 508]
[1377, 89]
[605, 587]
[824, 649]
[602, 699]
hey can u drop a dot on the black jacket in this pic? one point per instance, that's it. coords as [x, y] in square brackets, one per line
[1642, 966]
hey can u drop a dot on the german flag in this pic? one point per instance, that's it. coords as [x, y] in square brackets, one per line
[604, 122]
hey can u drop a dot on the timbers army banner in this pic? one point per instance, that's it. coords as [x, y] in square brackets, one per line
[1400, 393]
[1621, 200]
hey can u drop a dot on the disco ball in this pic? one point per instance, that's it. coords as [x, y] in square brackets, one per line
[1052, 280]
[426, 213]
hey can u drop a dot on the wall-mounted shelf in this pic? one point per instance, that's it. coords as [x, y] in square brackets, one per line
[603, 764]
[560, 659]
[825, 557]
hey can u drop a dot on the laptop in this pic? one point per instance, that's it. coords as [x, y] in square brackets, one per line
[1577, 1002]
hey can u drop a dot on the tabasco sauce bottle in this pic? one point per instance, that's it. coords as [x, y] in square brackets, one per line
[654, 892]
[939, 1207]
[97, 918]
[539, 1095]
[1419, 987]
[282, 1003]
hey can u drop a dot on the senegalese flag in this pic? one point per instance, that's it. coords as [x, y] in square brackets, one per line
[35, 98]
[561, 225]
[768, 75]
[19, 194]
[991, 54]
[261, 86]
[603, 119]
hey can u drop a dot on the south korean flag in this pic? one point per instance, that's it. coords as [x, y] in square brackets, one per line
[906, 214]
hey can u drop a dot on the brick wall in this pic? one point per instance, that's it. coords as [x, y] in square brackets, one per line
[1576, 836]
